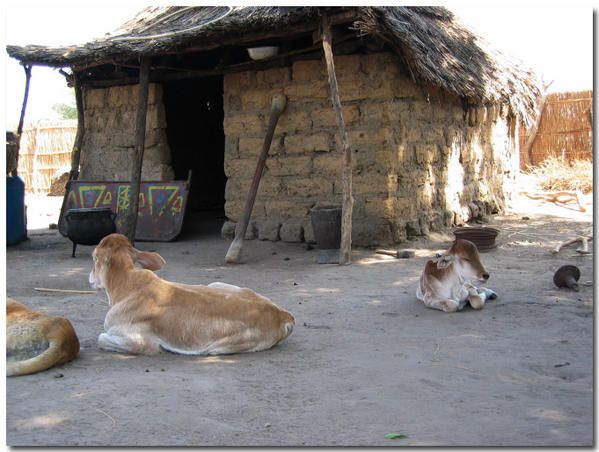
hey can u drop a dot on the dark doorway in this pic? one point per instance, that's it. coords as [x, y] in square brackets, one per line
[194, 118]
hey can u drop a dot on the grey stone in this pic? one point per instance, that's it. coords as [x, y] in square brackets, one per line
[292, 232]
[269, 230]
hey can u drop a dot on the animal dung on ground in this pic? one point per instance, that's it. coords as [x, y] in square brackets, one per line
[567, 276]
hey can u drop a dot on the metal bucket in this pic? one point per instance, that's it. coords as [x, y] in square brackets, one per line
[326, 223]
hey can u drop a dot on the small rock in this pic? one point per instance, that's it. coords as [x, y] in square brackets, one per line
[58, 376]
[147, 370]
[52, 226]
[406, 254]
[526, 218]
[286, 259]
[185, 252]
[267, 425]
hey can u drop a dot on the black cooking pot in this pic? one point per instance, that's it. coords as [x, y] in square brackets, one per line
[87, 226]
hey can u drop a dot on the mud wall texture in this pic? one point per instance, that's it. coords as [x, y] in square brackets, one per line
[108, 146]
[422, 159]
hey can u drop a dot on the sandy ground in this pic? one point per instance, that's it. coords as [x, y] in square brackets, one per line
[366, 358]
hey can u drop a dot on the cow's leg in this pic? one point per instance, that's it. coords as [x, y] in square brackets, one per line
[476, 299]
[123, 342]
[443, 304]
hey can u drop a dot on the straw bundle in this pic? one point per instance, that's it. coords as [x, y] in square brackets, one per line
[555, 174]
[565, 130]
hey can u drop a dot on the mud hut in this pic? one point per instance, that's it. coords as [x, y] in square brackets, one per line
[430, 111]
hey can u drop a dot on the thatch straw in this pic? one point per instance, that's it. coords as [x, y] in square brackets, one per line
[430, 41]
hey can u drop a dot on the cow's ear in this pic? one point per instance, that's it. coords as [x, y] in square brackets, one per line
[149, 260]
[445, 261]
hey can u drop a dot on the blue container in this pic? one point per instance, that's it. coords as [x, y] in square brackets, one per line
[16, 223]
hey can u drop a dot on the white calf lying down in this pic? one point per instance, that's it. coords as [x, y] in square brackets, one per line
[148, 314]
[446, 283]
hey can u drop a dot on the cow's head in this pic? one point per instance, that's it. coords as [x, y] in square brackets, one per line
[114, 256]
[464, 257]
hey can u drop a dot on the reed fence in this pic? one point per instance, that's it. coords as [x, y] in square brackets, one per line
[565, 130]
[45, 153]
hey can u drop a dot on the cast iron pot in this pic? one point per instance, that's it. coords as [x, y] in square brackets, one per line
[87, 226]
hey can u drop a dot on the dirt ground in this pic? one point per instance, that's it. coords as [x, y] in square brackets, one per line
[366, 358]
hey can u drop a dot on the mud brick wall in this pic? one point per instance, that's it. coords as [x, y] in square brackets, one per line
[422, 161]
[108, 147]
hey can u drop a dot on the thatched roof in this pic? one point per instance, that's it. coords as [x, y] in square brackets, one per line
[429, 40]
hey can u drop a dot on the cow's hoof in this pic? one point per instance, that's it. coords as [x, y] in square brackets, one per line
[491, 295]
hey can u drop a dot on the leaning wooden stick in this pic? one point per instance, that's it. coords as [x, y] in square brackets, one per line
[233, 256]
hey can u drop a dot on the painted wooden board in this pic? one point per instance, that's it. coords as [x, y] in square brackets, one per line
[161, 205]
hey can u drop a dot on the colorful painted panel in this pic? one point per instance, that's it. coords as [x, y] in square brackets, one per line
[161, 205]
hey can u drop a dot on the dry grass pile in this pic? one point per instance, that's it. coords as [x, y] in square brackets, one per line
[555, 174]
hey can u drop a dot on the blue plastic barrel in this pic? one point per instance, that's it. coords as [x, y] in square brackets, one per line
[16, 223]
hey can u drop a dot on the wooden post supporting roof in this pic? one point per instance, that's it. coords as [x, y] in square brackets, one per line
[27, 68]
[75, 153]
[140, 137]
[346, 177]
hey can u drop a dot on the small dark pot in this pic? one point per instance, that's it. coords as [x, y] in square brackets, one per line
[87, 226]
[326, 223]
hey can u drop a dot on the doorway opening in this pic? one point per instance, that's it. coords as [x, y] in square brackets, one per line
[194, 118]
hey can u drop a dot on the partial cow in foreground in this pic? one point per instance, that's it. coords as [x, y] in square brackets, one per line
[149, 314]
[446, 283]
[36, 341]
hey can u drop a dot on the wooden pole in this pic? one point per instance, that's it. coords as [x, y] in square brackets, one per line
[75, 153]
[346, 177]
[27, 68]
[140, 137]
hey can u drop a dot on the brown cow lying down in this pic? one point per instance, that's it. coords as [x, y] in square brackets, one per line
[445, 284]
[149, 314]
[36, 341]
